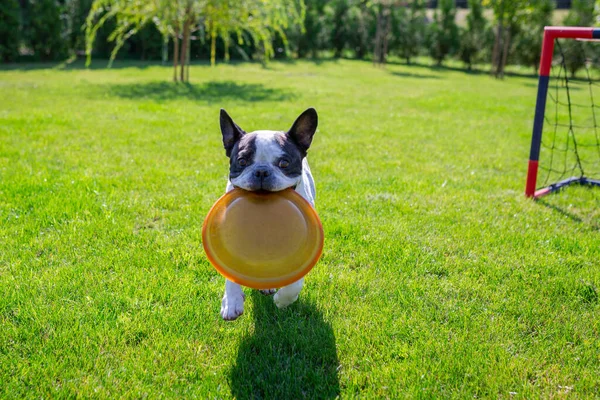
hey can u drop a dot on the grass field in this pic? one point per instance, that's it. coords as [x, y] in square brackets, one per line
[438, 278]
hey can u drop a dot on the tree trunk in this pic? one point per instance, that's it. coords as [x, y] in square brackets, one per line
[182, 60]
[498, 41]
[213, 45]
[376, 43]
[175, 55]
[496, 51]
[184, 45]
[187, 59]
[505, 53]
[386, 36]
[378, 37]
[165, 50]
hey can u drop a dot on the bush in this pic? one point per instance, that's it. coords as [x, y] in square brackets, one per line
[358, 23]
[10, 37]
[408, 30]
[43, 30]
[531, 32]
[474, 37]
[442, 37]
[314, 37]
[581, 14]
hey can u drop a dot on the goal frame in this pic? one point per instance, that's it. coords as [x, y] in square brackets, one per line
[550, 34]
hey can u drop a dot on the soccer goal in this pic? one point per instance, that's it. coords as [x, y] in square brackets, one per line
[565, 144]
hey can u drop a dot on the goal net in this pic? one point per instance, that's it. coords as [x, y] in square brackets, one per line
[565, 144]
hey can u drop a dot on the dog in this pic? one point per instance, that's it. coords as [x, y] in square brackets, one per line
[271, 161]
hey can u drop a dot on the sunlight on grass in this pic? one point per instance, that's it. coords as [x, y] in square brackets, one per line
[438, 278]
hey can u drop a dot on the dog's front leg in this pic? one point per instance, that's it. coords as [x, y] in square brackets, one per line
[232, 305]
[288, 294]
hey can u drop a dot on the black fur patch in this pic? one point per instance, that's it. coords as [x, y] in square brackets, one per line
[292, 154]
[245, 148]
[230, 131]
[304, 128]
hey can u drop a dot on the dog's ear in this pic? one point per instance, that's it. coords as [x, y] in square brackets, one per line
[304, 128]
[231, 132]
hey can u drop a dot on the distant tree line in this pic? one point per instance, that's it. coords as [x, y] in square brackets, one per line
[510, 33]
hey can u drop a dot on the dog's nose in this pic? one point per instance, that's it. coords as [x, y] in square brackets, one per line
[262, 173]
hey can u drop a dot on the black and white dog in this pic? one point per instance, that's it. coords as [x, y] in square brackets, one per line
[273, 161]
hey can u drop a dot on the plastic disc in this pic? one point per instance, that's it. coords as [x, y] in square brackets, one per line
[263, 240]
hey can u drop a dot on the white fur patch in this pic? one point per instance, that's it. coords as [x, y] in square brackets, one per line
[232, 305]
[267, 149]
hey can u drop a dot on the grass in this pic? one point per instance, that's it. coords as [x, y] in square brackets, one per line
[438, 278]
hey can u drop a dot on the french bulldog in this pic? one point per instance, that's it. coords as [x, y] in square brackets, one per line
[271, 161]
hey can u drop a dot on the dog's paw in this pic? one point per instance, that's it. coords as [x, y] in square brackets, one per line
[282, 300]
[268, 292]
[232, 306]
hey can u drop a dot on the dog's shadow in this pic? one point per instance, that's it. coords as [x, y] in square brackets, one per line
[290, 354]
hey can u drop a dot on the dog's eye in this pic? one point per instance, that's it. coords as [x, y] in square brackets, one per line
[284, 164]
[242, 162]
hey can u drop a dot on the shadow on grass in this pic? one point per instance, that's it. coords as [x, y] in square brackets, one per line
[79, 64]
[571, 216]
[101, 64]
[473, 71]
[413, 75]
[592, 223]
[312, 60]
[290, 355]
[207, 92]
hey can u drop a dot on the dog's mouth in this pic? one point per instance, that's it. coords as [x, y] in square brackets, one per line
[261, 190]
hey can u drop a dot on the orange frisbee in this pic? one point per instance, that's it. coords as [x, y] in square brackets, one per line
[263, 240]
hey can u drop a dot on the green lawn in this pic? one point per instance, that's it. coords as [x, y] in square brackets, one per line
[438, 278]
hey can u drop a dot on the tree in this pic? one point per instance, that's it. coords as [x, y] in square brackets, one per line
[44, 30]
[580, 14]
[383, 30]
[339, 29]
[531, 32]
[357, 21]
[443, 31]
[74, 13]
[473, 36]
[255, 20]
[314, 37]
[348, 25]
[507, 16]
[10, 35]
[408, 29]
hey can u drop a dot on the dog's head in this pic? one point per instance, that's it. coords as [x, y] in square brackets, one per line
[267, 160]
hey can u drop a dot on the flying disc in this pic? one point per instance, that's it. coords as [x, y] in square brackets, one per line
[263, 240]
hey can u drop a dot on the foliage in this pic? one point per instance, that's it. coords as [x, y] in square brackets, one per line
[442, 34]
[408, 29]
[358, 23]
[10, 33]
[254, 29]
[73, 17]
[316, 29]
[473, 38]
[580, 14]
[508, 16]
[251, 19]
[339, 29]
[531, 32]
[44, 30]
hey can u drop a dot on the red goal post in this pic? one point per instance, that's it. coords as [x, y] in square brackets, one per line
[550, 34]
